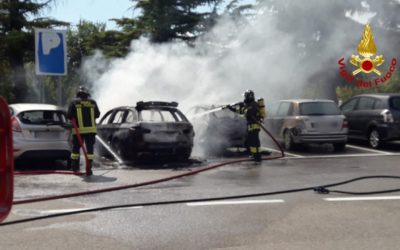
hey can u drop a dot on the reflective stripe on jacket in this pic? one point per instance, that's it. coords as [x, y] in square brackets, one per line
[85, 112]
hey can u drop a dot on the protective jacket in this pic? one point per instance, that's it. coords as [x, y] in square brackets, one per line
[85, 112]
[251, 111]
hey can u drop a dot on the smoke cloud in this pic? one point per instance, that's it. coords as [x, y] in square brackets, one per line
[275, 57]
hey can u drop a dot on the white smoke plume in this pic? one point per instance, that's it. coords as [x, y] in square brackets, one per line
[222, 65]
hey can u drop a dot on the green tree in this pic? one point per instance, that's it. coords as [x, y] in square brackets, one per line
[17, 40]
[166, 20]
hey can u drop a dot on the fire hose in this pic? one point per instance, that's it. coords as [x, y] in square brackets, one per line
[153, 181]
[81, 143]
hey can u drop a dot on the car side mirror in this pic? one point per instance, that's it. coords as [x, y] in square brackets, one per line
[6, 161]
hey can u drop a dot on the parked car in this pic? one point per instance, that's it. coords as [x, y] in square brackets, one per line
[217, 129]
[40, 131]
[373, 117]
[299, 121]
[147, 129]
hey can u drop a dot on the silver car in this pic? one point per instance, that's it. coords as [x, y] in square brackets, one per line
[40, 131]
[308, 121]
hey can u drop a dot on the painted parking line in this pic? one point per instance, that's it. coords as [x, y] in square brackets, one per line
[341, 156]
[372, 152]
[58, 211]
[216, 203]
[371, 198]
[286, 153]
[367, 149]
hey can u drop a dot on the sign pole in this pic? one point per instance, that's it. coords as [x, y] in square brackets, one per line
[59, 83]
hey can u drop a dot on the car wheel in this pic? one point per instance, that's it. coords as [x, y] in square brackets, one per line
[183, 155]
[339, 146]
[288, 143]
[374, 139]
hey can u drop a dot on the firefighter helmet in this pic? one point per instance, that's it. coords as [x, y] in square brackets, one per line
[82, 92]
[248, 96]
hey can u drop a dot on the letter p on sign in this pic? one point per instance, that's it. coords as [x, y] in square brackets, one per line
[50, 52]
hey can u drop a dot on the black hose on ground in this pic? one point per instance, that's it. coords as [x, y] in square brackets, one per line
[160, 203]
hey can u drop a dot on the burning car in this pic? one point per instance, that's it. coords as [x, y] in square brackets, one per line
[149, 129]
[217, 129]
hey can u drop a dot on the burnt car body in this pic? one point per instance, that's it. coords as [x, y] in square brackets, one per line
[148, 129]
[217, 129]
[373, 117]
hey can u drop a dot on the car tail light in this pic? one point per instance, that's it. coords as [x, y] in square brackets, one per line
[15, 125]
[387, 116]
[345, 124]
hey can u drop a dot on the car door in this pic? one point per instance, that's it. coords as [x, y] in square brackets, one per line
[278, 121]
[348, 109]
[364, 113]
[127, 132]
[110, 124]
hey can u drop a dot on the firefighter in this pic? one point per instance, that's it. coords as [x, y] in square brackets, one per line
[251, 110]
[84, 111]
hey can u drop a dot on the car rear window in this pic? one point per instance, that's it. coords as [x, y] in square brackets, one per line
[395, 103]
[42, 117]
[160, 115]
[319, 108]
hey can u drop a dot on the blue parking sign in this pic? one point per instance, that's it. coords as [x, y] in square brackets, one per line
[50, 52]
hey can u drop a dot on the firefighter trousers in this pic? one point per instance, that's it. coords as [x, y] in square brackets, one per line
[253, 143]
[89, 140]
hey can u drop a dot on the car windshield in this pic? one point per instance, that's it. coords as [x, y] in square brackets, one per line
[42, 117]
[395, 103]
[161, 115]
[319, 108]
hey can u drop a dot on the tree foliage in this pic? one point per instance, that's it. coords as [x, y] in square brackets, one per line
[17, 39]
[166, 20]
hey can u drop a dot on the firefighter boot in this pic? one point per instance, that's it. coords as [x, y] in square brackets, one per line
[75, 165]
[257, 157]
[89, 168]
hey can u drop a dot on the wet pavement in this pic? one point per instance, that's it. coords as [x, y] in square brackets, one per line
[304, 220]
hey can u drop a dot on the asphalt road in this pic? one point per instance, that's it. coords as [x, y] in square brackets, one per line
[301, 220]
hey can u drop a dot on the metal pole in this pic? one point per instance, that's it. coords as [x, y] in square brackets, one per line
[59, 90]
[41, 81]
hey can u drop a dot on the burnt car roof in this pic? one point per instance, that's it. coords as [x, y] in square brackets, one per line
[150, 104]
[155, 104]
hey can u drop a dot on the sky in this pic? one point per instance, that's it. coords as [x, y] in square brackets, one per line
[95, 10]
[92, 10]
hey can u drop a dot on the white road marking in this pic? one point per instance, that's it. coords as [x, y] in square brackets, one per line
[367, 149]
[371, 198]
[57, 211]
[214, 203]
[340, 156]
[286, 153]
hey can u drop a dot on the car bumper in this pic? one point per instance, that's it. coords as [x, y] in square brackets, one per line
[320, 138]
[164, 148]
[41, 150]
[390, 131]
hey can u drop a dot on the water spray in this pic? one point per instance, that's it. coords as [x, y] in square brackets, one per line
[108, 148]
